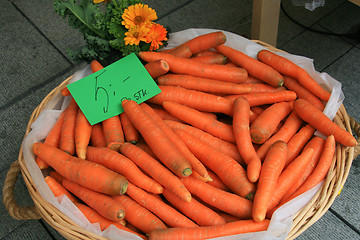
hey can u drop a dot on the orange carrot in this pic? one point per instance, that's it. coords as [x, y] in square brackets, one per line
[270, 172]
[211, 59]
[229, 218]
[265, 124]
[241, 128]
[113, 132]
[207, 232]
[312, 115]
[160, 144]
[65, 91]
[316, 143]
[58, 190]
[216, 182]
[231, 173]
[117, 162]
[139, 216]
[195, 99]
[321, 168]
[67, 137]
[197, 166]
[302, 92]
[205, 42]
[156, 170]
[201, 121]
[194, 210]
[56, 176]
[165, 212]
[211, 85]
[205, 53]
[95, 217]
[131, 134]
[52, 139]
[216, 143]
[288, 177]
[102, 203]
[85, 173]
[286, 67]
[97, 138]
[162, 112]
[298, 141]
[291, 125]
[95, 66]
[180, 51]
[262, 98]
[254, 67]
[157, 68]
[225, 201]
[82, 135]
[198, 69]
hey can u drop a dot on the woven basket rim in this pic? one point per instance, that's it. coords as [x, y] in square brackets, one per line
[307, 216]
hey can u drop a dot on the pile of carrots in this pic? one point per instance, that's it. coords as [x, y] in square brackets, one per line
[228, 140]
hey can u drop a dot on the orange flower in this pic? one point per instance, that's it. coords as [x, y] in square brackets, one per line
[99, 1]
[138, 14]
[156, 35]
[136, 34]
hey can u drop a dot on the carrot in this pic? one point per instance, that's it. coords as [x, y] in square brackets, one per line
[157, 68]
[262, 98]
[312, 115]
[162, 112]
[211, 59]
[207, 232]
[131, 134]
[65, 91]
[291, 125]
[301, 92]
[205, 42]
[298, 141]
[180, 51]
[67, 136]
[117, 162]
[52, 139]
[194, 210]
[198, 69]
[265, 124]
[56, 176]
[58, 190]
[165, 212]
[286, 67]
[95, 217]
[102, 203]
[195, 99]
[82, 135]
[85, 173]
[201, 121]
[321, 168]
[288, 177]
[159, 143]
[254, 67]
[210, 85]
[241, 128]
[97, 138]
[205, 53]
[113, 132]
[156, 170]
[216, 182]
[316, 143]
[216, 143]
[270, 172]
[139, 216]
[225, 201]
[95, 66]
[196, 165]
[231, 173]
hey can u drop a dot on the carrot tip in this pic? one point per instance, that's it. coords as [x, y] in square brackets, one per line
[115, 146]
[121, 214]
[250, 196]
[124, 189]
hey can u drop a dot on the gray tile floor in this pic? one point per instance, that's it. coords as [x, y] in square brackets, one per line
[33, 61]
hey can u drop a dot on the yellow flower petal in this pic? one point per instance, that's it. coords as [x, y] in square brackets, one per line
[138, 14]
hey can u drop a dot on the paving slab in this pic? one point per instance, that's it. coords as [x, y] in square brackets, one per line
[28, 230]
[208, 14]
[329, 227]
[26, 57]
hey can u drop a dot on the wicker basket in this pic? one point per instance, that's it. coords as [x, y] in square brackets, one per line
[307, 216]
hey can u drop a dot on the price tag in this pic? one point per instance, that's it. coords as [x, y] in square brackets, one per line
[100, 94]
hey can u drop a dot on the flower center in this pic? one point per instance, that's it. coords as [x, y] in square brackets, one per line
[136, 34]
[138, 20]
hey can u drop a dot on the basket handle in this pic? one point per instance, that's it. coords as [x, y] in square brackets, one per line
[355, 126]
[17, 212]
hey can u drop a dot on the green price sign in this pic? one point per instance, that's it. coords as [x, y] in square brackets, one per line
[100, 94]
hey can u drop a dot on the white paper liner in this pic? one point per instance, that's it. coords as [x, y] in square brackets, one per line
[281, 222]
